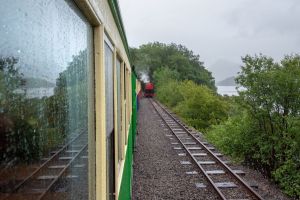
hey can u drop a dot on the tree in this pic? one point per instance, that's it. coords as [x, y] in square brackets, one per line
[265, 131]
[19, 140]
[272, 97]
[154, 56]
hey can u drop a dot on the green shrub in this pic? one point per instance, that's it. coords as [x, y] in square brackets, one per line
[200, 106]
[21, 142]
[228, 136]
[288, 177]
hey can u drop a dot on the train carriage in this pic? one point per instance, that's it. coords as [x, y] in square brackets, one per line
[69, 91]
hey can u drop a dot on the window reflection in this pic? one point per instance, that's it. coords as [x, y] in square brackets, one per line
[118, 86]
[45, 58]
[110, 135]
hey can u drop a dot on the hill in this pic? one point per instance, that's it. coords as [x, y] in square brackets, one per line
[223, 69]
[227, 82]
[38, 83]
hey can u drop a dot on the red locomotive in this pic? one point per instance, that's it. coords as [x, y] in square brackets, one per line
[149, 90]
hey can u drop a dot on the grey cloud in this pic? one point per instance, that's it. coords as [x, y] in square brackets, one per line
[216, 29]
[266, 17]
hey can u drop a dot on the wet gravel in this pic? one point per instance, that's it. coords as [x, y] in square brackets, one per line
[158, 174]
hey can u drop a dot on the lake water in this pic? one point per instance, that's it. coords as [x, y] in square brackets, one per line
[39, 92]
[227, 90]
[36, 92]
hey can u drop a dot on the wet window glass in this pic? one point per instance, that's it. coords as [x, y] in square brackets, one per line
[109, 99]
[128, 102]
[118, 74]
[109, 84]
[45, 61]
[125, 105]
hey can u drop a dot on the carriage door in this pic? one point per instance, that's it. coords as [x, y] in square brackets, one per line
[109, 96]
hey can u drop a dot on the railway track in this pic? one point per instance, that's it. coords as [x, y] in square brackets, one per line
[41, 181]
[225, 181]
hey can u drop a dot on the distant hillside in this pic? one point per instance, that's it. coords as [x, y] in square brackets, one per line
[38, 83]
[223, 69]
[227, 82]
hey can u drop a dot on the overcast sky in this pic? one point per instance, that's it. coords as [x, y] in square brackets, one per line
[217, 30]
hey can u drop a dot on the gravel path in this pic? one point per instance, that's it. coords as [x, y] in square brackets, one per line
[158, 174]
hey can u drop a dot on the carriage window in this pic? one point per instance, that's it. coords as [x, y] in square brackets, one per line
[126, 103]
[118, 74]
[109, 86]
[110, 134]
[45, 61]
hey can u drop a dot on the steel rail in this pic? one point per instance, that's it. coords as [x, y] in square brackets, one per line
[246, 186]
[220, 194]
[43, 165]
[61, 173]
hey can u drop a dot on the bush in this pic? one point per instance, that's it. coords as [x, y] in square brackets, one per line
[200, 106]
[21, 141]
[229, 136]
[288, 177]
